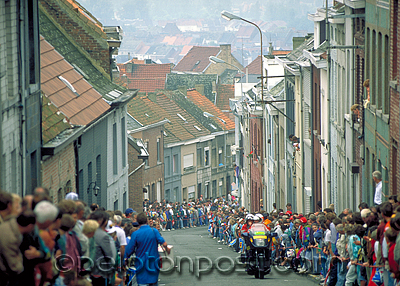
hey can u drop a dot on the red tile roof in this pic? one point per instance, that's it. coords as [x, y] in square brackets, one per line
[174, 109]
[224, 93]
[145, 77]
[148, 112]
[146, 84]
[277, 53]
[81, 107]
[245, 32]
[206, 105]
[254, 67]
[196, 60]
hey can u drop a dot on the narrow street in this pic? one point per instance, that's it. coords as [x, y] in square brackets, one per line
[196, 242]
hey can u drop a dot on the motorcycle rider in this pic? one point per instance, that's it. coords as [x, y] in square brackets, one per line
[249, 222]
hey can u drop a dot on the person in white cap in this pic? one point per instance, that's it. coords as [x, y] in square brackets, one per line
[72, 196]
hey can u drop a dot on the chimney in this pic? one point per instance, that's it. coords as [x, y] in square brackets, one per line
[225, 48]
[270, 48]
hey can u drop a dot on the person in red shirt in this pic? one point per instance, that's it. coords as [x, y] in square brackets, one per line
[391, 236]
[249, 222]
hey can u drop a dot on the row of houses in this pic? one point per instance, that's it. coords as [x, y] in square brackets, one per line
[74, 121]
[338, 96]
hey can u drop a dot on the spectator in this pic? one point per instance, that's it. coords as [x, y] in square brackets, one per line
[11, 260]
[377, 177]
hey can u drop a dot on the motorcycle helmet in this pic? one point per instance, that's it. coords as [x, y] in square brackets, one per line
[249, 217]
[259, 217]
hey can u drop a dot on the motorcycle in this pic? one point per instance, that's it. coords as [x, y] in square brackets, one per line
[258, 250]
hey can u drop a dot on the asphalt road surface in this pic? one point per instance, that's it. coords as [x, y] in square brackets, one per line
[195, 243]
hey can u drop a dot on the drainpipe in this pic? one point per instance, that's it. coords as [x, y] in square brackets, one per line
[278, 165]
[302, 135]
[328, 94]
[21, 92]
[312, 128]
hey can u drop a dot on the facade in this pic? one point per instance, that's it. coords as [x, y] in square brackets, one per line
[394, 168]
[376, 113]
[101, 151]
[137, 156]
[20, 104]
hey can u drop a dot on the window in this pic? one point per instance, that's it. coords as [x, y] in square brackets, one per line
[116, 205]
[123, 141]
[124, 205]
[98, 172]
[199, 157]
[188, 161]
[32, 34]
[115, 153]
[60, 195]
[214, 189]
[89, 172]
[386, 92]
[206, 157]
[167, 166]
[158, 150]
[191, 192]
[34, 179]
[80, 182]
[221, 187]
[175, 164]
[220, 157]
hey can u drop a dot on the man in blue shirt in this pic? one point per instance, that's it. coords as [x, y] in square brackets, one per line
[144, 242]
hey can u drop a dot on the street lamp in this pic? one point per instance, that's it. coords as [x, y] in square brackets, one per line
[229, 16]
[95, 188]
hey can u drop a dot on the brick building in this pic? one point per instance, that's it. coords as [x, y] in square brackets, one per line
[137, 156]
[394, 167]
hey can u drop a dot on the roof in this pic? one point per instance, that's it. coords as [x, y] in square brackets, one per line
[53, 121]
[280, 52]
[176, 80]
[139, 146]
[224, 93]
[145, 77]
[245, 32]
[148, 112]
[297, 54]
[132, 123]
[67, 89]
[254, 67]
[184, 117]
[206, 105]
[278, 89]
[181, 99]
[77, 57]
[197, 59]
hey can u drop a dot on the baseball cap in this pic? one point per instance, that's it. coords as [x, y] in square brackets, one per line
[303, 220]
[289, 212]
[129, 211]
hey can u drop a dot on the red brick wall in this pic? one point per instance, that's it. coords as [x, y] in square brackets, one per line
[359, 25]
[86, 34]
[394, 168]
[58, 170]
[135, 180]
